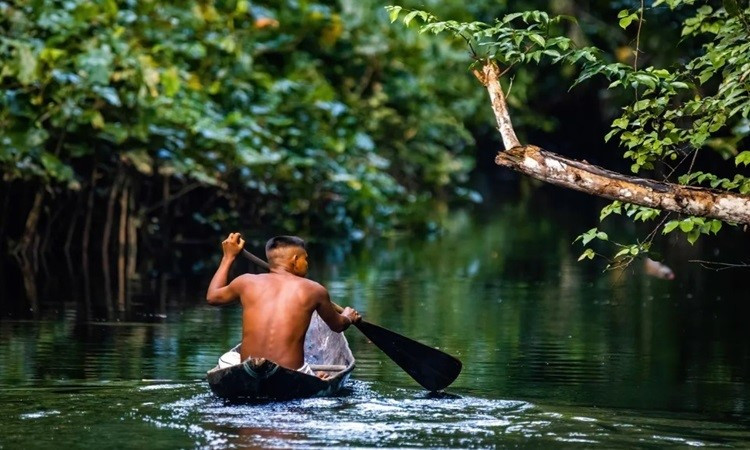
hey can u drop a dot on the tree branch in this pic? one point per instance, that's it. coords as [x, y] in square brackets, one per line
[490, 78]
[584, 177]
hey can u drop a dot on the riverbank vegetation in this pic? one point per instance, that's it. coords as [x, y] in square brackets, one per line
[133, 121]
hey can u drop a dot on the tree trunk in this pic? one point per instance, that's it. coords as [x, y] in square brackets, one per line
[32, 219]
[134, 224]
[29, 282]
[72, 227]
[86, 238]
[105, 243]
[122, 243]
[51, 221]
[4, 211]
[552, 168]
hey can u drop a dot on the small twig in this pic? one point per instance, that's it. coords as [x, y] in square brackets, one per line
[722, 265]
[638, 37]
[692, 163]
[471, 47]
[650, 237]
[510, 87]
[666, 178]
[506, 70]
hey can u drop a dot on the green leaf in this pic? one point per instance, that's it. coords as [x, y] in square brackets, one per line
[394, 12]
[622, 122]
[614, 207]
[641, 104]
[587, 254]
[679, 85]
[56, 168]
[587, 236]
[670, 226]
[170, 79]
[409, 17]
[622, 252]
[97, 120]
[140, 159]
[26, 64]
[511, 17]
[538, 39]
[646, 79]
[687, 225]
[742, 158]
[627, 20]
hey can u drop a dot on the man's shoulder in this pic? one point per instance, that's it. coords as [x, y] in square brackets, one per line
[247, 279]
[313, 286]
[305, 283]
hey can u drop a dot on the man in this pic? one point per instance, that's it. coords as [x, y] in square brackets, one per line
[277, 306]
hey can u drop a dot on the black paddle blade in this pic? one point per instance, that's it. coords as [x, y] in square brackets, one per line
[433, 369]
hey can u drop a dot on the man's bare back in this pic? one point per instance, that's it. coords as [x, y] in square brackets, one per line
[276, 311]
[276, 307]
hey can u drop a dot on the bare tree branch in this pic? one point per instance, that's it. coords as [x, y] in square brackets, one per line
[584, 177]
[581, 176]
[490, 78]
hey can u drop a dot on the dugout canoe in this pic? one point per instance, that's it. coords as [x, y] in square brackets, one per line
[257, 379]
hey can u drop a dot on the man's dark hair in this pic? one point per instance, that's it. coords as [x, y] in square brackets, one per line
[284, 241]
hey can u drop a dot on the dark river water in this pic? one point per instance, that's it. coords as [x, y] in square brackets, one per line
[556, 353]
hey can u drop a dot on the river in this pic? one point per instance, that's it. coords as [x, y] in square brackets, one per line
[556, 353]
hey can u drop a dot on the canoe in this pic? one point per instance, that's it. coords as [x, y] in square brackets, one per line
[257, 379]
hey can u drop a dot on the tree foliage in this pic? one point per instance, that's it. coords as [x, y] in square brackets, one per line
[300, 113]
[700, 102]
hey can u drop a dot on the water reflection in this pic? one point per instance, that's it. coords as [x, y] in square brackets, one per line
[555, 352]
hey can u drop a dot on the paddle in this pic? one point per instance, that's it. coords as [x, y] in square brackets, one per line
[430, 367]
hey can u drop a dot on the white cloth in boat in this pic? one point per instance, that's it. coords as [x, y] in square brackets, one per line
[232, 358]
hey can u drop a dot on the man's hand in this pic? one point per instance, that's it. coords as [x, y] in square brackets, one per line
[351, 314]
[232, 245]
[219, 292]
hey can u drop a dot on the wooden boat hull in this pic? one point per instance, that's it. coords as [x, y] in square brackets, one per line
[258, 379]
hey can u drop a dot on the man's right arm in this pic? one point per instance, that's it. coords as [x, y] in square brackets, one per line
[219, 292]
[336, 321]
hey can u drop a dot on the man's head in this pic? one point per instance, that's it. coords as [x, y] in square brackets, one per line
[288, 252]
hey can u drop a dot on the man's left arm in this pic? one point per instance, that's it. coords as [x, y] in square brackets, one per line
[219, 292]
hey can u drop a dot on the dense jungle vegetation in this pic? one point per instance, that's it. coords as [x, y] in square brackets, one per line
[162, 117]
[126, 122]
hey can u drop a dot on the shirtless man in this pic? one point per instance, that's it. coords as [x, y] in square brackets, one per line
[277, 306]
